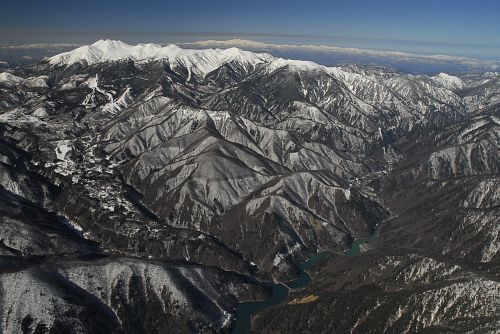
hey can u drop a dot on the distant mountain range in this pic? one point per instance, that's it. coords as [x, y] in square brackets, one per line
[416, 63]
[148, 188]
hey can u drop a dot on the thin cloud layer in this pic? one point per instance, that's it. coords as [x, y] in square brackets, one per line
[346, 51]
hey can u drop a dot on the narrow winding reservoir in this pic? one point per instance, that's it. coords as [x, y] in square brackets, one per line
[244, 311]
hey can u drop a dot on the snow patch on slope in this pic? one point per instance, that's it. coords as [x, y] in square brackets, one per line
[62, 149]
[10, 79]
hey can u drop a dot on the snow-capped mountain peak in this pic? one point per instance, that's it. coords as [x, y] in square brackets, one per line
[112, 50]
[448, 81]
[223, 167]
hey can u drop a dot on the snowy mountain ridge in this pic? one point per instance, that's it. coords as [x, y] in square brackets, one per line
[228, 166]
[114, 50]
[207, 59]
[448, 81]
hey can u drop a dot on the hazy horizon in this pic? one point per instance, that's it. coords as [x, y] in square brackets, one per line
[321, 53]
[458, 28]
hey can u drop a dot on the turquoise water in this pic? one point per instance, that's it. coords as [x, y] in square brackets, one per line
[355, 249]
[244, 311]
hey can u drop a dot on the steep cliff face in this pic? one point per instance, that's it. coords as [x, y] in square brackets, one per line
[240, 161]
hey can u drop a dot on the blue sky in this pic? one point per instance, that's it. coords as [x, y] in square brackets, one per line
[460, 27]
